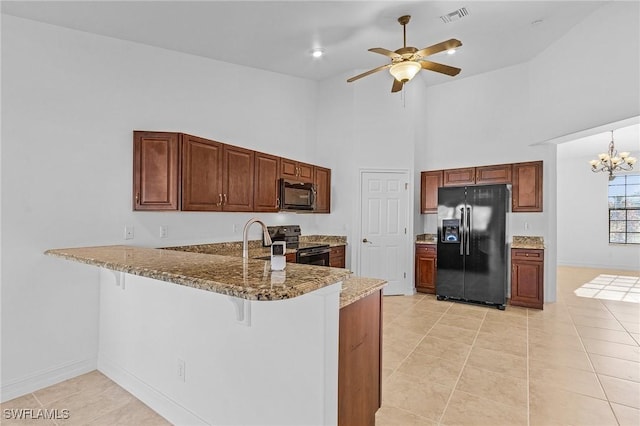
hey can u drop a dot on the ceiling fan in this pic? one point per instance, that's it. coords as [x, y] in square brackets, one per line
[407, 61]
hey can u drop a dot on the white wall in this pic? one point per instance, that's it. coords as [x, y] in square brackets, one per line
[70, 102]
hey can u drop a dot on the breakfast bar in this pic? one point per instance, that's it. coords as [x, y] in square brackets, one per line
[213, 339]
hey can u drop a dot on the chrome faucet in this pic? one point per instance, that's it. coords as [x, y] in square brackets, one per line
[245, 232]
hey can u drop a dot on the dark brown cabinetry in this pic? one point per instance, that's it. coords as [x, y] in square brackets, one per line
[290, 257]
[459, 177]
[265, 198]
[426, 264]
[322, 181]
[360, 361]
[500, 173]
[429, 184]
[156, 170]
[215, 176]
[526, 180]
[337, 257]
[527, 278]
[527, 187]
[291, 169]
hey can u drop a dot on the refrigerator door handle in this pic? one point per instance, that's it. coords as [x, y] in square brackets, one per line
[462, 222]
[468, 233]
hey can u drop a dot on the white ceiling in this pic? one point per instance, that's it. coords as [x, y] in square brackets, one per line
[279, 35]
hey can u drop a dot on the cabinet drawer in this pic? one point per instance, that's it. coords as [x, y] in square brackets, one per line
[426, 249]
[527, 254]
[459, 177]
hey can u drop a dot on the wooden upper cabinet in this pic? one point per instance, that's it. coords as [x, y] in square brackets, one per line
[267, 173]
[429, 184]
[291, 169]
[156, 170]
[527, 187]
[459, 177]
[497, 174]
[322, 181]
[202, 162]
[239, 169]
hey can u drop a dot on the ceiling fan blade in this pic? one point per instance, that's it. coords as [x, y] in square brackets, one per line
[364, 74]
[436, 48]
[397, 86]
[444, 69]
[385, 52]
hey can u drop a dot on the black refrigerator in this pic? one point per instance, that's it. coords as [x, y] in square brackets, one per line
[472, 250]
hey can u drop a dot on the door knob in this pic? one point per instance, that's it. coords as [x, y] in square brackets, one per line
[364, 240]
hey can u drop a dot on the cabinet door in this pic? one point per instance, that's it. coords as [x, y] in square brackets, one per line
[322, 181]
[426, 264]
[429, 184]
[360, 361]
[202, 161]
[290, 257]
[265, 197]
[239, 168]
[337, 257]
[289, 168]
[459, 177]
[527, 278]
[527, 187]
[305, 172]
[155, 170]
[500, 173]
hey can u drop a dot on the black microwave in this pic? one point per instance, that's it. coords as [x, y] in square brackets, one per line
[297, 195]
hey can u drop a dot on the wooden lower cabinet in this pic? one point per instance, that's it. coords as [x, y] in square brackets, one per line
[360, 361]
[337, 258]
[426, 263]
[290, 257]
[527, 278]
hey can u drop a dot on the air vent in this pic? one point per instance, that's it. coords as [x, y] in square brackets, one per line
[455, 15]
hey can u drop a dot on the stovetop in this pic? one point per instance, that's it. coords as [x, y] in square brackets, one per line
[291, 235]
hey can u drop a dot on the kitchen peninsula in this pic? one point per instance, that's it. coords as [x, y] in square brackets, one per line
[211, 339]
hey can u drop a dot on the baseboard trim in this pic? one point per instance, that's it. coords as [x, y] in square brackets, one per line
[156, 400]
[44, 378]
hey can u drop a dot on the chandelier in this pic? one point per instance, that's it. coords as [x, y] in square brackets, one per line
[611, 162]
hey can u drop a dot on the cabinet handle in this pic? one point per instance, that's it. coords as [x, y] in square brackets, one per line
[277, 202]
[225, 199]
[137, 198]
[219, 203]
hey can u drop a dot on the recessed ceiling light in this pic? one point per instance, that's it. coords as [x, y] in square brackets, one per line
[317, 52]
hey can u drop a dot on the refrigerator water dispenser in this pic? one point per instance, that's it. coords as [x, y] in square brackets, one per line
[450, 228]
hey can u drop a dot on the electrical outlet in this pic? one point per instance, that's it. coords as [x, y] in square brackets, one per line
[164, 231]
[128, 232]
[181, 369]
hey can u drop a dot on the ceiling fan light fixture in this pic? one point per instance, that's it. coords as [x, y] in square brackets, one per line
[405, 71]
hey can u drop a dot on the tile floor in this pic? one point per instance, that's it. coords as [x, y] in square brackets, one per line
[577, 362]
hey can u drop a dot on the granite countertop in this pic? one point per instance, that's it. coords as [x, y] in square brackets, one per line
[426, 239]
[522, 242]
[332, 240]
[356, 288]
[244, 278]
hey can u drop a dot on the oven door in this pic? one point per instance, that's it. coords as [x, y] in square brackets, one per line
[318, 257]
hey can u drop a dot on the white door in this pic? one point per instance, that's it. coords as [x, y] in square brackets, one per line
[385, 241]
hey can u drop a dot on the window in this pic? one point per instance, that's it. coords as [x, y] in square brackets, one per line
[624, 209]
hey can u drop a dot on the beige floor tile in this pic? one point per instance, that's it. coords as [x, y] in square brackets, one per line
[455, 334]
[554, 341]
[568, 379]
[509, 311]
[621, 391]
[426, 400]
[468, 323]
[498, 362]
[552, 326]
[505, 343]
[626, 416]
[426, 369]
[467, 310]
[444, 348]
[469, 410]
[393, 354]
[600, 311]
[83, 409]
[544, 357]
[550, 405]
[636, 337]
[88, 384]
[392, 416]
[616, 367]
[25, 410]
[134, 413]
[631, 326]
[500, 388]
[492, 325]
[616, 350]
[402, 336]
[626, 316]
[606, 335]
[610, 324]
